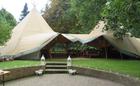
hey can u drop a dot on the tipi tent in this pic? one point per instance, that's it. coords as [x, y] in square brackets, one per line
[127, 45]
[33, 33]
[29, 36]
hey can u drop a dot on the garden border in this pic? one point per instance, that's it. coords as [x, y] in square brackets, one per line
[115, 77]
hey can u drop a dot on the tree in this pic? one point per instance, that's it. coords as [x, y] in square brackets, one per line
[7, 22]
[74, 16]
[24, 12]
[4, 31]
[55, 15]
[122, 17]
[8, 18]
[85, 14]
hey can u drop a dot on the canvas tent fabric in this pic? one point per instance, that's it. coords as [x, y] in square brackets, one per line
[128, 45]
[30, 35]
[84, 38]
[96, 32]
[75, 37]
[64, 38]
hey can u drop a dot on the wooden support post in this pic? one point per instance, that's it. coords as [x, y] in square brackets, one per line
[106, 55]
[49, 54]
[121, 56]
[66, 48]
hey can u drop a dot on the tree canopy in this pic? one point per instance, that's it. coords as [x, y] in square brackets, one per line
[123, 17]
[80, 16]
[55, 15]
[74, 16]
[7, 22]
[86, 14]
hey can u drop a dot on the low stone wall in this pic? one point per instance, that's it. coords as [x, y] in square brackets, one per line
[17, 73]
[127, 81]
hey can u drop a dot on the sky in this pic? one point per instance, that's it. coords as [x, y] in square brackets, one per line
[16, 6]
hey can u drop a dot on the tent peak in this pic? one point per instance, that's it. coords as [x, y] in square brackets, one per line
[33, 3]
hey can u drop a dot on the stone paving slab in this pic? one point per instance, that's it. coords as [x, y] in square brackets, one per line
[61, 80]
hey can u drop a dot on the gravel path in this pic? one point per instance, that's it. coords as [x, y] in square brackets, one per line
[61, 80]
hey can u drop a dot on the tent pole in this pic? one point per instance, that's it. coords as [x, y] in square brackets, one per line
[121, 56]
[106, 55]
[49, 53]
[66, 48]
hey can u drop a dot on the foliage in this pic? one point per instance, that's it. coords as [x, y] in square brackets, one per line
[4, 32]
[58, 47]
[85, 14]
[54, 15]
[7, 22]
[8, 17]
[122, 17]
[74, 16]
[80, 16]
[24, 12]
[78, 46]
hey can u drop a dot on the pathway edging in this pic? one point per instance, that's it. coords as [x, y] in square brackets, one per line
[119, 78]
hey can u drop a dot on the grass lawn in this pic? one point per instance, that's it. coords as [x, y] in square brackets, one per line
[17, 64]
[128, 67]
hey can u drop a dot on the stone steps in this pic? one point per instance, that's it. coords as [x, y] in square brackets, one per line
[56, 67]
[56, 63]
[50, 71]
